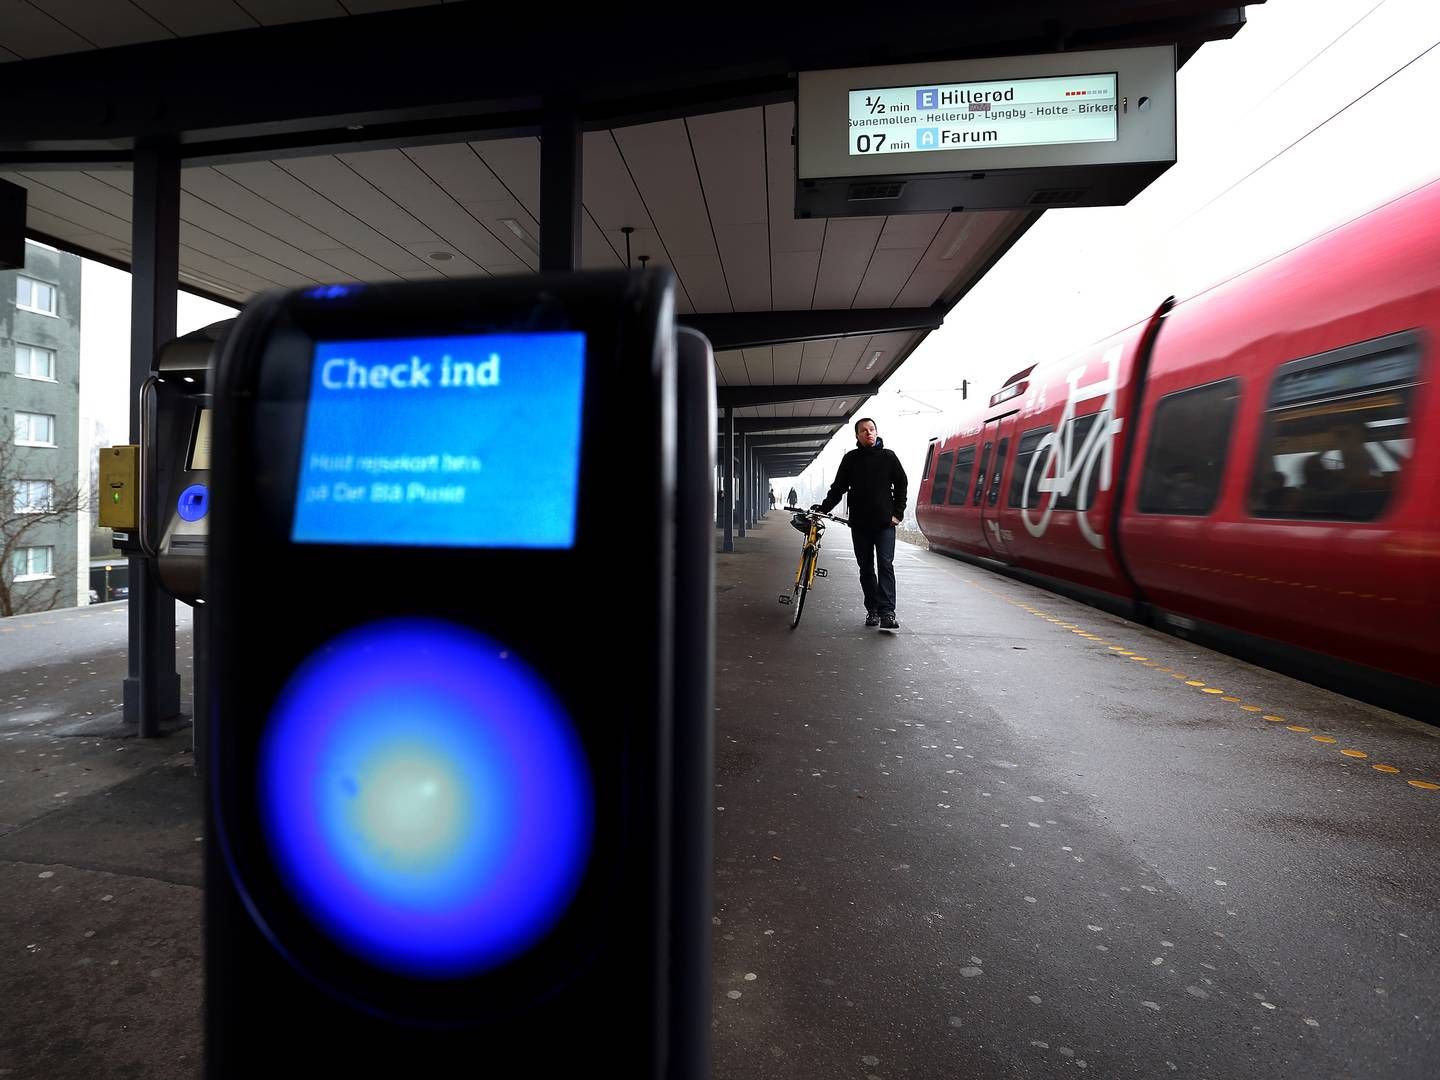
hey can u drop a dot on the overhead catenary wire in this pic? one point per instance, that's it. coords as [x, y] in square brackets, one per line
[1279, 153]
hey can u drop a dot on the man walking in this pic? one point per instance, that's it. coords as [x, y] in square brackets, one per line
[877, 486]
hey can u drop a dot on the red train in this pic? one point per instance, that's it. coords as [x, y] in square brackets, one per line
[1258, 465]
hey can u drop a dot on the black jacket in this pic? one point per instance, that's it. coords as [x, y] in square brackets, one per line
[876, 483]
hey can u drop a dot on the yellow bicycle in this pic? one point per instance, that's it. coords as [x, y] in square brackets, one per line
[812, 524]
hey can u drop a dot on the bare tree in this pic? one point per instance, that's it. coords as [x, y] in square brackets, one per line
[23, 521]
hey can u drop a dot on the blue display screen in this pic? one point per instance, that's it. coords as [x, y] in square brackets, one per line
[443, 442]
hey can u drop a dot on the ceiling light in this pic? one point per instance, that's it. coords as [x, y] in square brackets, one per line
[207, 283]
[520, 233]
[873, 360]
[961, 235]
[442, 256]
[842, 405]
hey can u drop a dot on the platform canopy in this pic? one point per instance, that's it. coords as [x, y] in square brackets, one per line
[379, 140]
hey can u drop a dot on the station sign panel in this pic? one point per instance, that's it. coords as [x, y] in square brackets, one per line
[1068, 129]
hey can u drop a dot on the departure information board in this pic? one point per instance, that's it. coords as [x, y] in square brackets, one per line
[1089, 128]
[992, 114]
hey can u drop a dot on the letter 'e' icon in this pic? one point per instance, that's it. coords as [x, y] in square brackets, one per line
[926, 99]
[929, 138]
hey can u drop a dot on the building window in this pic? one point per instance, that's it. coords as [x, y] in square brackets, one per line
[1020, 494]
[942, 478]
[34, 496]
[960, 482]
[33, 563]
[33, 362]
[34, 429]
[1338, 432]
[1189, 441]
[36, 296]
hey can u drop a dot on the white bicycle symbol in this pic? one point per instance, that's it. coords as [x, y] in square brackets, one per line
[1062, 467]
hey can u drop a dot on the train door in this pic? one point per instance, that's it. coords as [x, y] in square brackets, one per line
[996, 439]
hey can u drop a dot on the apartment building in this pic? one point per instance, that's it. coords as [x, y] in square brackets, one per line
[40, 489]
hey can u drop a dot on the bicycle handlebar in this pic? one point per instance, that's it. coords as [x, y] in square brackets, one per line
[816, 513]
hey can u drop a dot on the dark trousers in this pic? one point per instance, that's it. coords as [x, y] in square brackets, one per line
[879, 595]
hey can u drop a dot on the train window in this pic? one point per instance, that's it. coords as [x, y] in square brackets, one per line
[942, 478]
[1189, 441]
[980, 477]
[999, 469]
[960, 482]
[1079, 431]
[1338, 432]
[1020, 471]
[929, 457]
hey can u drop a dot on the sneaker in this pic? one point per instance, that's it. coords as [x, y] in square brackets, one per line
[889, 622]
[872, 619]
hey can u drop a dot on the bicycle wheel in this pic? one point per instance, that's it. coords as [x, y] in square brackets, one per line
[799, 602]
[1049, 455]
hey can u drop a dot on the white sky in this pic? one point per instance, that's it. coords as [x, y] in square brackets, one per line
[1315, 112]
[105, 350]
[1274, 148]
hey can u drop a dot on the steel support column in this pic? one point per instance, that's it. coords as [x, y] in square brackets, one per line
[152, 685]
[727, 463]
[758, 505]
[560, 180]
[744, 486]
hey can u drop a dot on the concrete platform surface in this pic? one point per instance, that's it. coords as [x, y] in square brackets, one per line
[1020, 838]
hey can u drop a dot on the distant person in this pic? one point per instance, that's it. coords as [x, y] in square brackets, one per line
[1362, 486]
[1357, 468]
[772, 498]
[1276, 494]
[876, 484]
[1359, 471]
[1317, 492]
[792, 498]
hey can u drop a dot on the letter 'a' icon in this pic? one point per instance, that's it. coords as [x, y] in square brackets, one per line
[929, 138]
[926, 99]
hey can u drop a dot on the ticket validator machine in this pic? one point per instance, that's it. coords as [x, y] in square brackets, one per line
[175, 441]
[174, 482]
[459, 770]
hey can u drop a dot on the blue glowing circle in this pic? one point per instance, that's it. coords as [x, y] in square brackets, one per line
[425, 798]
[194, 502]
